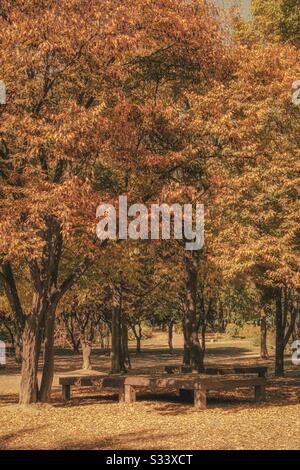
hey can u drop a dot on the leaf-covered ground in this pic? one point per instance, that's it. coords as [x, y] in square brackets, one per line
[95, 420]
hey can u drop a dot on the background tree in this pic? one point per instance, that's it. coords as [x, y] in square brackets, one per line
[76, 77]
[261, 203]
[272, 21]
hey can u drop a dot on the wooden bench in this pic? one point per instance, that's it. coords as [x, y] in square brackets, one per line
[185, 384]
[190, 382]
[261, 371]
[102, 381]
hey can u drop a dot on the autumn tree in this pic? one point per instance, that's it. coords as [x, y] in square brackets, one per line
[258, 187]
[46, 133]
[272, 21]
[77, 76]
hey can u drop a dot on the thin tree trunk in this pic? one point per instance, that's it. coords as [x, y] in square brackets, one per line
[138, 344]
[101, 333]
[75, 344]
[221, 318]
[115, 341]
[138, 337]
[288, 334]
[196, 352]
[107, 340]
[186, 349]
[203, 333]
[18, 350]
[125, 358]
[16, 342]
[279, 357]
[170, 336]
[263, 337]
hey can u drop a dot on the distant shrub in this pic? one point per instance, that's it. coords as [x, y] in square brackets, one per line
[232, 330]
[147, 331]
[248, 330]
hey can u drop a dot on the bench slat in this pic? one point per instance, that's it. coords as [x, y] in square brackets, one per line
[188, 382]
[261, 370]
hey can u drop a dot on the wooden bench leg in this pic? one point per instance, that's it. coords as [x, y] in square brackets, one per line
[66, 392]
[260, 392]
[200, 397]
[121, 395]
[129, 394]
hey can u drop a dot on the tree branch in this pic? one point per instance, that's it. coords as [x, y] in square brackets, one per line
[12, 293]
[73, 278]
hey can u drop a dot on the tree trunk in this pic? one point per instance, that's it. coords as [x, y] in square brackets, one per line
[75, 344]
[86, 354]
[296, 332]
[107, 341]
[196, 352]
[18, 350]
[288, 333]
[30, 357]
[263, 338]
[279, 358]
[203, 333]
[116, 341]
[186, 350]
[48, 366]
[138, 344]
[44, 282]
[170, 336]
[137, 336]
[125, 358]
[221, 318]
[102, 335]
[16, 341]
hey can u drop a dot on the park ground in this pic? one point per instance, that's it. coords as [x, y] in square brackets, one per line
[94, 419]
